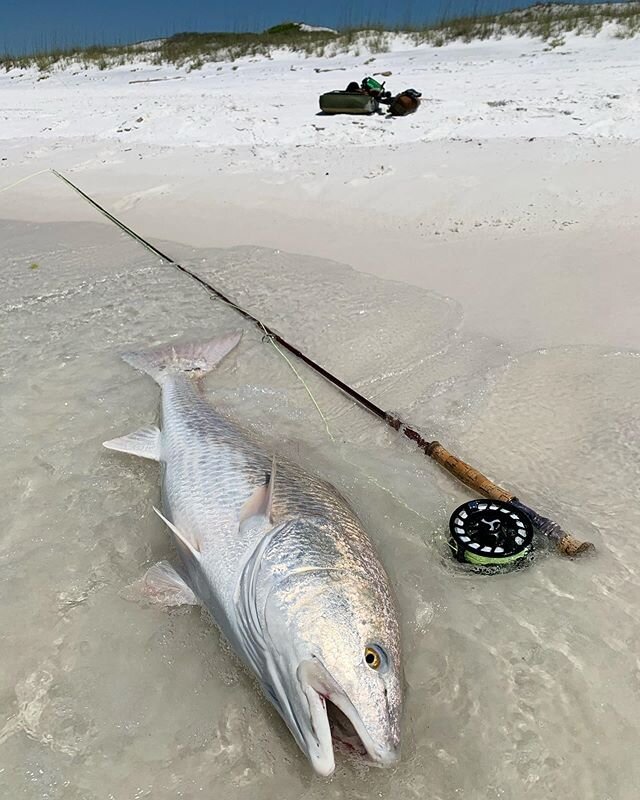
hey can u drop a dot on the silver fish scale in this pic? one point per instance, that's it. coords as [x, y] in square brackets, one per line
[236, 463]
[211, 467]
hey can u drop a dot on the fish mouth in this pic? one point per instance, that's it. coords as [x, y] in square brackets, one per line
[335, 720]
[344, 735]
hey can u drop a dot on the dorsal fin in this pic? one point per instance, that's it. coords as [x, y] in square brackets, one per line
[259, 505]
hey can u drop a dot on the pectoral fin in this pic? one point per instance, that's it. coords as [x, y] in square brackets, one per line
[188, 541]
[144, 443]
[162, 584]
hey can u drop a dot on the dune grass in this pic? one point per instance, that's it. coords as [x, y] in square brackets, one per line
[548, 21]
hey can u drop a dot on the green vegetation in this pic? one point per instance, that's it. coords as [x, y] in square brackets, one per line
[286, 28]
[184, 48]
[94, 56]
[548, 21]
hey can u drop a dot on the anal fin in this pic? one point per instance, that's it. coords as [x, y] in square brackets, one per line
[163, 585]
[144, 443]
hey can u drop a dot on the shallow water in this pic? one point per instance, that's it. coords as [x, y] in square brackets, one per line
[521, 685]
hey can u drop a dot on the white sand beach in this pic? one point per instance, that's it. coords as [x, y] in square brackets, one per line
[515, 173]
[473, 266]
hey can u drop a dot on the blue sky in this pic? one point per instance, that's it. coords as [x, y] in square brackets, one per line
[27, 25]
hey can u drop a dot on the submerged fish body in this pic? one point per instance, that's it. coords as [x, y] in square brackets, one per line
[281, 561]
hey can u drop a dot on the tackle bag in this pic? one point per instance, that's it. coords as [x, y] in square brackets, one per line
[348, 103]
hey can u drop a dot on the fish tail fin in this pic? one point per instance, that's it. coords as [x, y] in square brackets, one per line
[194, 359]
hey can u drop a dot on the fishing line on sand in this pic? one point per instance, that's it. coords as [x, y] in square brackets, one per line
[371, 478]
[24, 180]
[566, 543]
[271, 340]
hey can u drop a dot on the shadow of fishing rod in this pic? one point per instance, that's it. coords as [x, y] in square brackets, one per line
[566, 543]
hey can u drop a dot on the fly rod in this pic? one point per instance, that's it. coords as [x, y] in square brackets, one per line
[566, 543]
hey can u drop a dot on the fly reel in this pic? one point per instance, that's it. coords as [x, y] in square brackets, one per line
[490, 533]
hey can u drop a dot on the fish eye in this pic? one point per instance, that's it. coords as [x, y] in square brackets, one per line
[374, 656]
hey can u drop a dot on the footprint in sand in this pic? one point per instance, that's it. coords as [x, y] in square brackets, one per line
[375, 172]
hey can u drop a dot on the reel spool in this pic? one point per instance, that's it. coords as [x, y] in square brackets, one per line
[490, 533]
